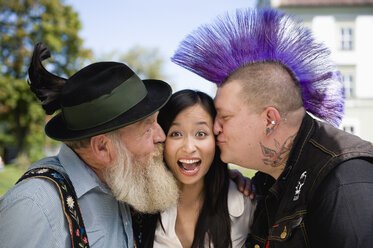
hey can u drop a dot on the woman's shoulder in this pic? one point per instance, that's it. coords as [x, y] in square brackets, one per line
[241, 209]
[238, 203]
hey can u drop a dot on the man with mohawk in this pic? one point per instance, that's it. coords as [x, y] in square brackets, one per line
[315, 182]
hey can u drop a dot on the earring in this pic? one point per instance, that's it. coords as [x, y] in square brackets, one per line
[273, 122]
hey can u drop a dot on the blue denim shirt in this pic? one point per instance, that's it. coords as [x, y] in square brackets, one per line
[31, 213]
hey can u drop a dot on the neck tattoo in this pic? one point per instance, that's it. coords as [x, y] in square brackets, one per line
[279, 155]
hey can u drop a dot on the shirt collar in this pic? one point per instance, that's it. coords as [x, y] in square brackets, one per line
[80, 174]
[236, 207]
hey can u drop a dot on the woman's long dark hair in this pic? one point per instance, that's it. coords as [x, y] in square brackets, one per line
[213, 220]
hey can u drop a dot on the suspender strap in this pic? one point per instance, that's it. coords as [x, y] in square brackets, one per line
[69, 200]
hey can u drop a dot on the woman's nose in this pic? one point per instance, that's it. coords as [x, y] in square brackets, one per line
[189, 145]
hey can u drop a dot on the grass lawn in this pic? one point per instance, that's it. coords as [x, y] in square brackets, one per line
[8, 177]
[246, 172]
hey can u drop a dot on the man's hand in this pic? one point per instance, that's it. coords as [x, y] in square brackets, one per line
[244, 184]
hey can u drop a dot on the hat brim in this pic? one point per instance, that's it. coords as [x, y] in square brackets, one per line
[159, 93]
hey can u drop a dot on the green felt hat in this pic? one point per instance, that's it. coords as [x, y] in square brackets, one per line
[103, 97]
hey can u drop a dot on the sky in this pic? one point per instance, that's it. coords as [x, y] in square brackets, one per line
[119, 25]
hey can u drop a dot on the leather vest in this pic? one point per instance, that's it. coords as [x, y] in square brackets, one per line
[280, 217]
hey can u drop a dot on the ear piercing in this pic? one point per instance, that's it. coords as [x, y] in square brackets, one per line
[270, 129]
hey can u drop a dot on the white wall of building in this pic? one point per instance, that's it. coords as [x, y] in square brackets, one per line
[356, 64]
[364, 55]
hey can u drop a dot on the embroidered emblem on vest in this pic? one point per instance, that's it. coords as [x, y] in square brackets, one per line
[298, 188]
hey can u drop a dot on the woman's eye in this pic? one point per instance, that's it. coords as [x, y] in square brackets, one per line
[201, 134]
[175, 134]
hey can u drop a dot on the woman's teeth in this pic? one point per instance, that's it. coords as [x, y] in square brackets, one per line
[189, 161]
[189, 164]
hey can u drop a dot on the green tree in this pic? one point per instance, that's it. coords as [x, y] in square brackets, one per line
[263, 3]
[22, 24]
[146, 62]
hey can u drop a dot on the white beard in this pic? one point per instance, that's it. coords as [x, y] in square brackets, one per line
[148, 187]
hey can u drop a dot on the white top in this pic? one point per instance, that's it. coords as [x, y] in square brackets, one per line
[241, 211]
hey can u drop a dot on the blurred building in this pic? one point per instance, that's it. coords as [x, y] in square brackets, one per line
[346, 27]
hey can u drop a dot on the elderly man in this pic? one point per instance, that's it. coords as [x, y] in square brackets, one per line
[111, 158]
[315, 183]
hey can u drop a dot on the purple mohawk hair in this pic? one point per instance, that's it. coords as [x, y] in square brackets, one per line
[253, 36]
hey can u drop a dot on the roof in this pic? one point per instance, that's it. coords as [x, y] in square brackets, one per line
[291, 3]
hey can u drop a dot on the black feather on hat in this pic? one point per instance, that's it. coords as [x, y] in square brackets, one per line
[99, 98]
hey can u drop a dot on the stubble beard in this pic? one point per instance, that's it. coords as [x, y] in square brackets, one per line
[149, 186]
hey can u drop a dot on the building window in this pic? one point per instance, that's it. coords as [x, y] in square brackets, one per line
[348, 78]
[346, 37]
[349, 129]
[351, 126]
[348, 82]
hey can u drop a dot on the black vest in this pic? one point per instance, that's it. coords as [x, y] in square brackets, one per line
[282, 204]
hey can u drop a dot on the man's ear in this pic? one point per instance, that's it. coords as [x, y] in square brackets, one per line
[103, 149]
[272, 117]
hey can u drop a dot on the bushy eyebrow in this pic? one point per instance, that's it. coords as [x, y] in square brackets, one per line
[146, 122]
[221, 109]
[149, 121]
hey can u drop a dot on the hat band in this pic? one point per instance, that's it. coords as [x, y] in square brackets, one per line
[107, 107]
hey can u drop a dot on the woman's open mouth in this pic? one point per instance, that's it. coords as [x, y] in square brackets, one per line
[189, 167]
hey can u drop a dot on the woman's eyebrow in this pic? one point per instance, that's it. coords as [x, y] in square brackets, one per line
[202, 123]
[175, 124]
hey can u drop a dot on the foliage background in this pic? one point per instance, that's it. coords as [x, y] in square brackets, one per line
[23, 23]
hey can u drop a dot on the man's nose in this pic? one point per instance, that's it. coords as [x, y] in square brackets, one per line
[217, 127]
[159, 135]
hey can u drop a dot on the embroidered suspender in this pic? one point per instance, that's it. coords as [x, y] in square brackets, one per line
[69, 203]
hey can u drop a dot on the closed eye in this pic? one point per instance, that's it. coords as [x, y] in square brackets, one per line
[223, 117]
